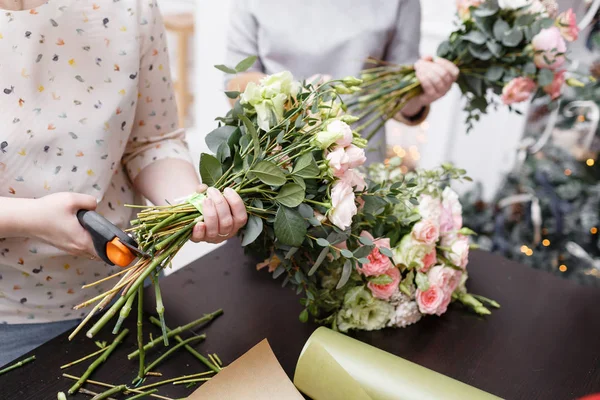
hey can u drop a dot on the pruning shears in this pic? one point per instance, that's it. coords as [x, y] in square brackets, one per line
[112, 245]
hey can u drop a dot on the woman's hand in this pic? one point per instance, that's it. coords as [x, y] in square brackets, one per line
[436, 77]
[53, 219]
[224, 215]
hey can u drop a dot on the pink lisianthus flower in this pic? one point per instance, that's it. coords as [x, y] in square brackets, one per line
[343, 206]
[555, 88]
[517, 90]
[550, 48]
[426, 231]
[567, 24]
[385, 292]
[356, 156]
[338, 161]
[378, 263]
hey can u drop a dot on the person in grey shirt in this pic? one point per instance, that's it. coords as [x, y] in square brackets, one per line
[333, 38]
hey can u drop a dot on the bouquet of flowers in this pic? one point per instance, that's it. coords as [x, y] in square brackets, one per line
[510, 48]
[404, 256]
[287, 149]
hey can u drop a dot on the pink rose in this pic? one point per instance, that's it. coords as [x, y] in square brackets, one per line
[384, 292]
[356, 156]
[355, 179]
[432, 301]
[444, 277]
[429, 260]
[426, 231]
[517, 90]
[343, 207]
[338, 161]
[554, 89]
[549, 49]
[378, 263]
[459, 250]
[567, 24]
[464, 6]
[451, 217]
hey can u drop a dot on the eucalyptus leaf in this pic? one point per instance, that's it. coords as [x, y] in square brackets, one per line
[290, 195]
[346, 272]
[318, 261]
[501, 27]
[269, 173]
[485, 11]
[346, 253]
[210, 169]
[363, 251]
[306, 211]
[220, 135]
[246, 63]
[373, 204]
[366, 241]
[444, 49]
[290, 228]
[529, 69]
[494, 73]
[545, 77]
[226, 69]
[512, 38]
[480, 52]
[322, 242]
[223, 152]
[252, 230]
[386, 252]
[476, 37]
[278, 271]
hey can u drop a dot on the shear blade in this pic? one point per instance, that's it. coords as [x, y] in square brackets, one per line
[136, 249]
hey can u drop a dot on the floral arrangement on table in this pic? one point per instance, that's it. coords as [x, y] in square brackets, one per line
[404, 255]
[515, 49]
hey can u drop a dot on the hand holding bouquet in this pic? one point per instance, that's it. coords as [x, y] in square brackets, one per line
[286, 148]
[515, 49]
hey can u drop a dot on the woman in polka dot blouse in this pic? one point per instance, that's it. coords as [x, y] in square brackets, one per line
[88, 120]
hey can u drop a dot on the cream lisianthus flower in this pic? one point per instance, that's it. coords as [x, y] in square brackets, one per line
[363, 311]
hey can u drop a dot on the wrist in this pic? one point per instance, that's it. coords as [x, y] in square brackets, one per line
[19, 217]
[413, 108]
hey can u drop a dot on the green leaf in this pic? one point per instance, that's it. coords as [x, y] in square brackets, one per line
[363, 260]
[494, 73]
[291, 253]
[444, 49]
[476, 37]
[232, 94]
[220, 135]
[245, 63]
[545, 77]
[475, 85]
[346, 253]
[306, 167]
[495, 48]
[223, 152]
[269, 173]
[322, 242]
[546, 23]
[306, 211]
[373, 204]
[363, 251]
[303, 317]
[366, 241]
[319, 261]
[299, 181]
[290, 195]
[501, 27]
[381, 280]
[422, 281]
[512, 38]
[252, 132]
[290, 228]
[480, 52]
[386, 252]
[226, 69]
[210, 169]
[525, 19]
[529, 69]
[346, 272]
[252, 230]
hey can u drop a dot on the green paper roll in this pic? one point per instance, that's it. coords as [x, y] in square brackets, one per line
[333, 366]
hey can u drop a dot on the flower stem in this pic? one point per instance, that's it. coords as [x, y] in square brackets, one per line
[17, 365]
[107, 385]
[174, 349]
[109, 392]
[161, 245]
[84, 358]
[98, 361]
[140, 332]
[144, 394]
[123, 314]
[196, 380]
[176, 331]
[174, 380]
[160, 310]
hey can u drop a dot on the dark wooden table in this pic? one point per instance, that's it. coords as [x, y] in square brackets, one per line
[543, 344]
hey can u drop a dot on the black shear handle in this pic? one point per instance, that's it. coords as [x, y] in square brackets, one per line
[103, 232]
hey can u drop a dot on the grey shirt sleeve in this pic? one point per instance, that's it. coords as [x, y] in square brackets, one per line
[242, 36]
[403, 48]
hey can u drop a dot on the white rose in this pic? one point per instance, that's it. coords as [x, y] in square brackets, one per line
[459, 249]
[343, 205]
[252, 95]
[281, 82]
[513, 4]
[524, 6]
[430, 208]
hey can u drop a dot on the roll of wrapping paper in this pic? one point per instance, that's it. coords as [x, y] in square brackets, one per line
[333, 366]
